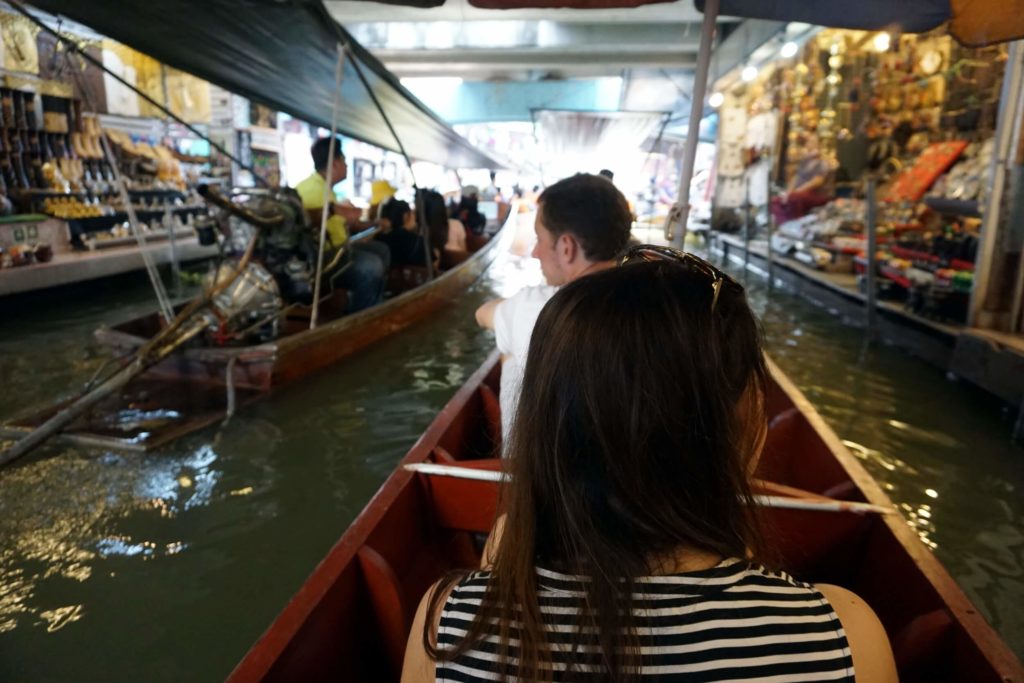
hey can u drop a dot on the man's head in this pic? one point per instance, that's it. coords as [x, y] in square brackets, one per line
[320, 151]
[582, 220]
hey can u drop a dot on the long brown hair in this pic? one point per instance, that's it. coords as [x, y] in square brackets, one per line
[641, 408]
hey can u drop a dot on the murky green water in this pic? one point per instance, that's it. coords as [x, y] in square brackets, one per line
[166, 567]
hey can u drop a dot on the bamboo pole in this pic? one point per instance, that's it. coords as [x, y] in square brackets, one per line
[328, 197]
[67, 415]
[149, 354]
[871, 223]
[681, 212]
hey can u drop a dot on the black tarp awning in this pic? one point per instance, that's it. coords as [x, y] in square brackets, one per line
[280, 53]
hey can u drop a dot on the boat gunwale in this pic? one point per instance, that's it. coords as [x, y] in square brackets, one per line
[964, 614]
[268, 648]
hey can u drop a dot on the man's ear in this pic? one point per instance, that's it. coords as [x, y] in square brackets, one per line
[568, 248]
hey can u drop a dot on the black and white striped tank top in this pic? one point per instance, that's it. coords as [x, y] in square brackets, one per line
[734, 622]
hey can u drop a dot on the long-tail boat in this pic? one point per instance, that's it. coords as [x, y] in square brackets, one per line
[197, 385]
[350, 619]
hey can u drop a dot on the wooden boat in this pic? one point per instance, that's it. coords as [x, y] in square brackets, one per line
[350, 619]
[195, 386]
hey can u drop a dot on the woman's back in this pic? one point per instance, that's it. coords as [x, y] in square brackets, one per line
[735, 621]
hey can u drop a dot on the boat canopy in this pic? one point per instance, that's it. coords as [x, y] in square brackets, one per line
[283, 55]
[972, 22]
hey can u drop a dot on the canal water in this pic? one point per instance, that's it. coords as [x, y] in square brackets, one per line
[168, 566]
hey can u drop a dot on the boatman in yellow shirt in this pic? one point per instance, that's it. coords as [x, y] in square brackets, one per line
[365, 276]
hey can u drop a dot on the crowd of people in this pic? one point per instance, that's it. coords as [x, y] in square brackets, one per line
[404, 229]
[628, 547]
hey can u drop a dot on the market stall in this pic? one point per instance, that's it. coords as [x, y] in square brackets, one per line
[802, 135]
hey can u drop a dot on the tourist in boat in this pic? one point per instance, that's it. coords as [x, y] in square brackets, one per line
[629, 548]
[468, 210]
[491, 193]
[364, 277]
[447, 235]
[399, 232]
[582, 227]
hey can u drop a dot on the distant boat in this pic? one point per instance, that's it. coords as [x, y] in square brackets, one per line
[189, 390]
[350, 619]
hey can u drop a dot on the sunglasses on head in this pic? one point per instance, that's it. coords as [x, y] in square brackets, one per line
[650, 252]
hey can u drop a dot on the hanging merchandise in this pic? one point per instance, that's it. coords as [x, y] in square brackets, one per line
[917, 113]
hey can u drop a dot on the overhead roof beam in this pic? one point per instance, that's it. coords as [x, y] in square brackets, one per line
[511, 34]
[538, 57]
[352, 11]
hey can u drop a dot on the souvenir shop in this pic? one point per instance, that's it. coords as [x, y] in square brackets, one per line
[804, 137]
[68, 130]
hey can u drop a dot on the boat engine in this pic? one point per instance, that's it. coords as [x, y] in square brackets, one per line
[247, 310]
[286, 247]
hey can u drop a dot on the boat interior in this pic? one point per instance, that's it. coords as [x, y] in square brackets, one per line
[356, 608]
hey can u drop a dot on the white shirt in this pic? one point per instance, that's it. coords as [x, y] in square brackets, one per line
[456, 235]
[514, 319]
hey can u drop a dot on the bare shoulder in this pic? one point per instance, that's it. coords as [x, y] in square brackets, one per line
[418, 667]
[869, 645]
[485, 314]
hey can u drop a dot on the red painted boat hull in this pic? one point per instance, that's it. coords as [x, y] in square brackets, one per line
[350, 620]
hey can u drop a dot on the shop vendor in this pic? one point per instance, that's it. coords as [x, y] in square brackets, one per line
[810, 186]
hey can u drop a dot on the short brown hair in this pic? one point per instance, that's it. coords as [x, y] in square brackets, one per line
[592, 210]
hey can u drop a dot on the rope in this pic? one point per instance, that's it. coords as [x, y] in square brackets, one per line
[328, 188]
[229, 380]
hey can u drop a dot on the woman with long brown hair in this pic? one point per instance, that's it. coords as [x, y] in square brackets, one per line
[629, 546]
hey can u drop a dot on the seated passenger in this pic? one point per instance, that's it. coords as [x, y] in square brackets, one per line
[447, 235]
[468, 211]
[809, 187]
[368, 262]
[629, 546]
[399, 232]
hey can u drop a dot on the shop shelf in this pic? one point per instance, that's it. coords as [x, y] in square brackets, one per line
[96, 223]
[156, 236]
[931, 259]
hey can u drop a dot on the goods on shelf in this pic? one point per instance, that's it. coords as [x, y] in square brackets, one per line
[25, 254]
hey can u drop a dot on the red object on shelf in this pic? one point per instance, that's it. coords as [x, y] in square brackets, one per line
[914, 255]
[896, 276]
[848, 251]
[911, 184]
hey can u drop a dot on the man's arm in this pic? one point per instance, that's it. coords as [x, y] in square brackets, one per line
[485, 314]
